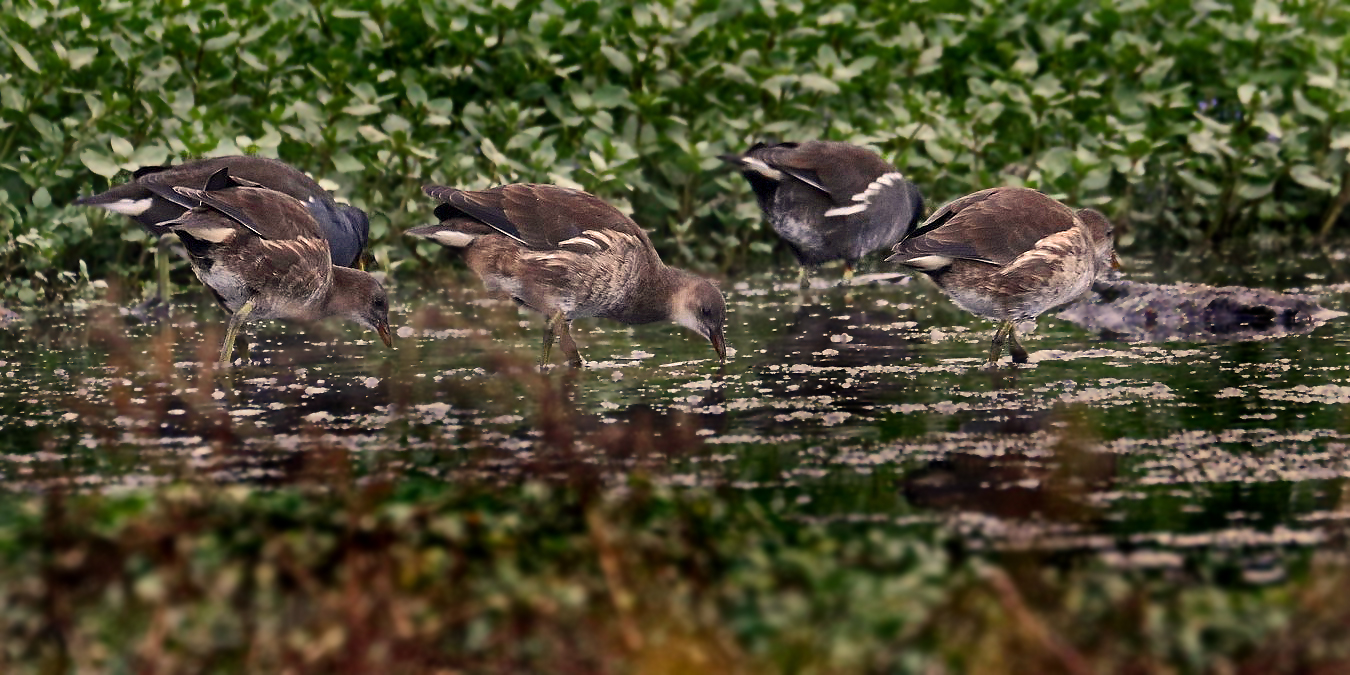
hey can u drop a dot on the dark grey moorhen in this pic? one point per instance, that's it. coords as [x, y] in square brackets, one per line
[821, 197]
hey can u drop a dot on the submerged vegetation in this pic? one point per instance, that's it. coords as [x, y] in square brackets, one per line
[1185, 123]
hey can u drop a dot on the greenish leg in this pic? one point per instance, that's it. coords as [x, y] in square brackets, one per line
[569, 346]
[996, 347]
[803, 277]
[237, 321]
[1019, 353]
[551, 330]
[241, 345]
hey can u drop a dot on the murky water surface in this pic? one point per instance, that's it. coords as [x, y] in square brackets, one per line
[865, 405]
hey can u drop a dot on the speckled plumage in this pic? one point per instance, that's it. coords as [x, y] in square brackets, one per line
[568, 254]
[1009, 254]
[821, 198]
[263, 256]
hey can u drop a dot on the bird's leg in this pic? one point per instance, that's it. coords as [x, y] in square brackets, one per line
[237, 321]
[241, 345]
[848, 272]
[803, 277]
[996, 347]
[551, 329]
[1019, 353]
[569, 346]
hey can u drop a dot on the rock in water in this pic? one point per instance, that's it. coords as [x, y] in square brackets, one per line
[1136, 310]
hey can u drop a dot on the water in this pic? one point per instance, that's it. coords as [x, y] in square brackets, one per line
[867, 405]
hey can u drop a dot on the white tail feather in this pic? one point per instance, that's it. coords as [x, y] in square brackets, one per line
[453, 238]
[927, 263]
[128, 207]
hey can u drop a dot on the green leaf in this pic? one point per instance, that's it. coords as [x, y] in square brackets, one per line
[150, 155]
[395, 123]
[81, 57]
[1055, 162]
[1198, 184]
[1245, 92]
[24, 56]
[42, 198]
[371, 134]
[493, 155]
[1268, 123]
[361, 109]
[1305, 107]
[617, 59]
[121, 146]
[345, 163]
[99, 163]
[216, 44]
[1026, 63]
[1254, 191]
[609, 96]
[939, 154]
[1306, 175]
[416, 94]
[819, 83]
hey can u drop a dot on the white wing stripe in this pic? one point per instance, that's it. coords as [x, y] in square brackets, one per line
[846, 210]
[864, 198]
[581, 240]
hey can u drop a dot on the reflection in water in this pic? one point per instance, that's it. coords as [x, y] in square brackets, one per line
[857, 405]
[1038, 469]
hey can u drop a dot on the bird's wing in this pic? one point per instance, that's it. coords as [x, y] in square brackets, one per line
[542, 217]
[994, 226]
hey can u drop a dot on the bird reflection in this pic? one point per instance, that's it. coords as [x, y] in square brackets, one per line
[1043, 468]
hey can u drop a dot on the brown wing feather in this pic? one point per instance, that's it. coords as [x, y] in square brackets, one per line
[540, 216]
[267, 213]
[995, 225]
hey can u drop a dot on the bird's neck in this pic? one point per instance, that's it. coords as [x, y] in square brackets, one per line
[652, 301]
[339, 300]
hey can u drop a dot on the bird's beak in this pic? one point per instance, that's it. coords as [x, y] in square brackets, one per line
[719, 343]
[383, 330]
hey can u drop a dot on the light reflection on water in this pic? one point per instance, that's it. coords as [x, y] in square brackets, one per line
[837, 406]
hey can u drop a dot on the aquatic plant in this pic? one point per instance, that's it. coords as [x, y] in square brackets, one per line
[1185, 123]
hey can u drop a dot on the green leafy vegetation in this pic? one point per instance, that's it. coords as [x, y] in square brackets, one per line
[1186, 122]
[549, 576]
